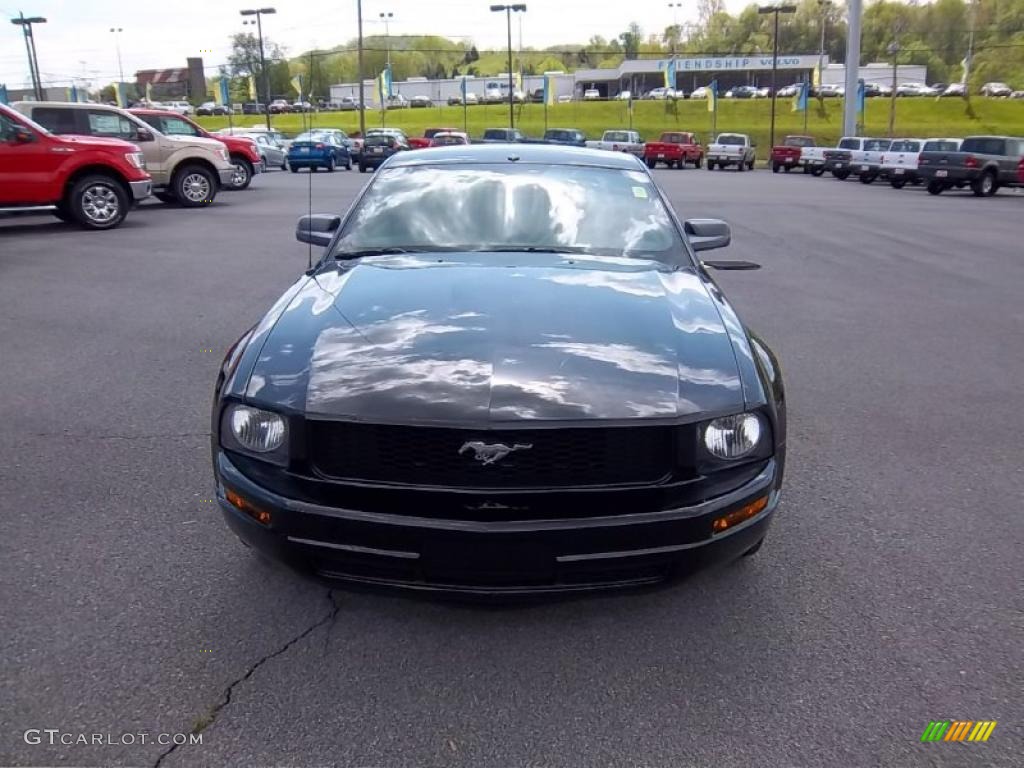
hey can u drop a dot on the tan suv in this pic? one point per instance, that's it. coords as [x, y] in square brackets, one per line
[186, 169]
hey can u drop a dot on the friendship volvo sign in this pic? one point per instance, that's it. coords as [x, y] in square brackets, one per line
[741, 63]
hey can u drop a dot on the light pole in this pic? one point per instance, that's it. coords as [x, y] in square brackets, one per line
[117, 44]
[259, 13]
[30, 48]
[386, 18]
[508, 20]
[362, 96]
[824, 5]
[775, 10]
[675, 25]
[893, 50]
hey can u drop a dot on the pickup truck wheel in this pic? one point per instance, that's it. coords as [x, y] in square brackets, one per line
[96, 202]
[293, 169]
[711, 166]
[241, 175]
[194, 186]
[750, 165]
[867, 178]
[696, 163]
[788, 168]
[651, 163]
[817, 171]
[742, 166]
[935, 187]
[362, 168]
[775, 167]
[841, 175]
[984, 185]
[898, 183]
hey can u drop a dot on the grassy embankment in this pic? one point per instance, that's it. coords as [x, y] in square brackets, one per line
[914, 117]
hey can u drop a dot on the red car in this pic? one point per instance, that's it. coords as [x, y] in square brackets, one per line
[789, 153]
[674, 148]
[419, 142]
[244, 154]
[88, 180]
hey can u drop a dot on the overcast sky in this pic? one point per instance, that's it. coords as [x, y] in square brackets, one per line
[76, 42]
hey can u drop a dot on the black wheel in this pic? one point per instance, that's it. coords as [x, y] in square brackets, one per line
[362, 167]
[985, 185]
[788, 168]
[807, 169]
[697, 162]
[754, 549]
[293, 169]
[348, 164]
[818, 171]
[775, 167]
[330, 164]
[96, 202]
[750, 165]
[241, 174]
[841, 175]
[194, 186]
[742, 166]
[651, 163]
[898, 183]
[935, 187]
[711, 166]
[867, 178]
[166, 197]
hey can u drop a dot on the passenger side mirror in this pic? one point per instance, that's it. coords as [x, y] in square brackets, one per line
[317, 229]
[143, 134]
[707, 234]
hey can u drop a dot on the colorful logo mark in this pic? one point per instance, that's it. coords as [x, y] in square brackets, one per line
[958, 730]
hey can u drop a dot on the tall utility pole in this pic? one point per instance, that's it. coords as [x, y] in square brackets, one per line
[775, 10]
[853, 8]
[259, 13]
[824, 5]
[362, 96]
[893, 50]
[30, 49]
[117, 43]
[508, 22]
[969, 59]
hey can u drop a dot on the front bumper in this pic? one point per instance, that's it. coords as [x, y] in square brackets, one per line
[494, 558]
[141, 189]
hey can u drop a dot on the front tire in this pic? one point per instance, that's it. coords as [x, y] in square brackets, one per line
[241, 176]
[194, 186]
[97, 202]
[935, 188]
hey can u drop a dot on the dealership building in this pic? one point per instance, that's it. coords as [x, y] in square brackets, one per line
[641, 75]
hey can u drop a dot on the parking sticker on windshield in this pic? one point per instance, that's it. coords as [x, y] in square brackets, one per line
[640, 192]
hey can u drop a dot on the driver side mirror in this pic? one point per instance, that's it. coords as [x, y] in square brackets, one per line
[317, 229]
[144, 134]
[707, 234]
[22, 136]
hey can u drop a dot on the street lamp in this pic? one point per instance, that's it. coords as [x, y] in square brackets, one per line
[775, 10]
[386, 18]
[117, 43]
[508, 20]
[359, 66]
[675, 26]
[259, 13]
[824, 5]
[30, 48]
[893, 49]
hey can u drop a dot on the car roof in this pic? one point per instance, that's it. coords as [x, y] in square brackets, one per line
[526, 153]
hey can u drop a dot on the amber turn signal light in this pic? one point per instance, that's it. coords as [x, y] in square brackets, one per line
[737, 516]
[259, 515]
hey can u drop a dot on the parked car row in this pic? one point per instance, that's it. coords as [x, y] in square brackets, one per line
[982, 163]
[90, 163]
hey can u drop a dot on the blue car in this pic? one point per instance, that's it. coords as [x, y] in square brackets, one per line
[322, 148]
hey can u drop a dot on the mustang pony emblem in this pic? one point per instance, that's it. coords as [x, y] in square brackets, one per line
[488, 453]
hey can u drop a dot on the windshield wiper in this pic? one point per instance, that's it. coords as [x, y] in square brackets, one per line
[530, 249]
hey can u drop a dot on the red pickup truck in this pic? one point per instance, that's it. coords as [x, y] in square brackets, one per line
[674, 148]
[419, 142]
[790, 154]
[245, 157]
[91, 181]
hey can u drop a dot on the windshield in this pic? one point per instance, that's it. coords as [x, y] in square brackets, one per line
[905, 146]
[599, 211]
[171, 126]
[941, 146]
[731, 139]
[616, 136]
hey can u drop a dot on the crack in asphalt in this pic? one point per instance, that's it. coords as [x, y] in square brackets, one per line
[210, 717]
[120, 437]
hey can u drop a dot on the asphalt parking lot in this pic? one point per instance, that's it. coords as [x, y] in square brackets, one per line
[888, 593]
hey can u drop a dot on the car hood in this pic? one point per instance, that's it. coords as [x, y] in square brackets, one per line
[98, 141]
[407, 339]
[212, 144]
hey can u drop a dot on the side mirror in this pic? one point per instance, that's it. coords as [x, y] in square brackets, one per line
[144, 134]
[317, 229]
[707, 234]
[22, 136]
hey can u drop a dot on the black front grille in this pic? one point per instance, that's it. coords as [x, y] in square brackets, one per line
[447, 457]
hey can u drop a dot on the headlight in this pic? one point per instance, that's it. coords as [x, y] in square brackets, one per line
[257, 430]
[733, 437]
[224, 154]
[137, 159]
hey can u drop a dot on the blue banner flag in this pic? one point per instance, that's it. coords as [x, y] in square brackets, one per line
[800, 99]
[225, 98]
[3, 94]
[670, 74]
[860, 95]
[713, 96]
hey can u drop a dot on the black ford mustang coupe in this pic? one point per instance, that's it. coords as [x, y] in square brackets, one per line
[509, 373]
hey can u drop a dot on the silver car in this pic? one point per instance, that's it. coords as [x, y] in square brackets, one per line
[272, 150]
